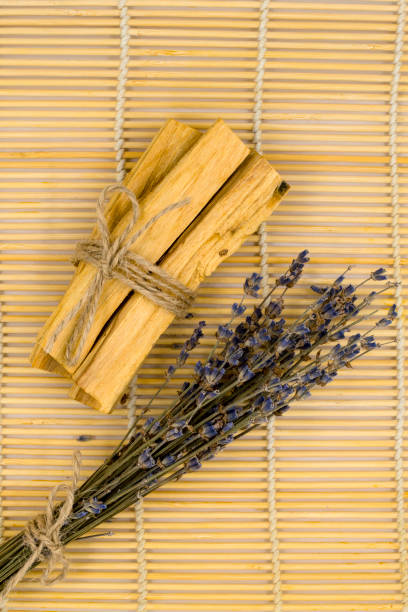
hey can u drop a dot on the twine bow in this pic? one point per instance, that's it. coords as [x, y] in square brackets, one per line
[113, 259]
[43, 536]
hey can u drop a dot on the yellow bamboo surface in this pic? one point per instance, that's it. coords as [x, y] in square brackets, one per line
[208, 541]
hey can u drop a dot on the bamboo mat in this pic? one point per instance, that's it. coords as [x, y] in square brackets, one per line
[309, 517]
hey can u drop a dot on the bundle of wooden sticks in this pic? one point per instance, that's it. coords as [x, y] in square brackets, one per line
[230, 190]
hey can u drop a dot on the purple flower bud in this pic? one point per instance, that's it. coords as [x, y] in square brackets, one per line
[245, 374]
[255, 316]
[311, 375]
[151, 425]
[80, 514]
[349, 290]
[317, 289]
[324, 379]
[207, 455]
[198, 369]
[392, 313]
[180, 423]
[205, 396]
[302, 256]
[263, 336]
[191, 343]
[268, 406]
[170, 371]
[224, 332]
[95, 506]
[84, 437]
[284, 280]
[193, 464]
[252, 284]
[168, 460]
[208, 431]
[225, 441]
[383, 322]
[301, 329]
[368, 343]
[252, 341]
[274, 309]
[232, 413]
[145, 460]
[186, 388]
[173, 434]
[302, 392]
[183, 356]
[284, 343]
[238, 309]
[227, 427]
[285, 391]
[350, 308]
[213, 375]
[241, 330]
[379, 274]
[233, 356]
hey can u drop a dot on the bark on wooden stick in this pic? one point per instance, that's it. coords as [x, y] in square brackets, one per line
[244, 202]
[197, 175]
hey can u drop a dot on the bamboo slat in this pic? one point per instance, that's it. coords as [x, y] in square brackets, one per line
[326, 105]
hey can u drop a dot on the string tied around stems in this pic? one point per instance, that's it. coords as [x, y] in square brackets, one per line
[113, 258]
[42, 536]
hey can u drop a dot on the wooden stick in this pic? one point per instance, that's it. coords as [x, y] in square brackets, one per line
[168, 146]
[198, 174]
[235, 212]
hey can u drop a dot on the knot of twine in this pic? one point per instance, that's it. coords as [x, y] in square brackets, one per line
[113, 259]
[42, 535]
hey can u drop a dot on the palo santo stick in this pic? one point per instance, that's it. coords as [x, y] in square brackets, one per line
[172, 141]
[166, 149]
[198, 175]
[244, 202]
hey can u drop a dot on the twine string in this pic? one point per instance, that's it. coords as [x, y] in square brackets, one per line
[139, 512]
[43, 536]
[113, 259]
[121, 89]
[396, 247]
[263, 252]
[120, 172]
[141, 556]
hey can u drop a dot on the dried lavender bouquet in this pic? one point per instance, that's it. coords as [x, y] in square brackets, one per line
[257, 367]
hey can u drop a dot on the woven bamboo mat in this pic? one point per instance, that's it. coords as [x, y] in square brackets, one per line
[307, 517]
